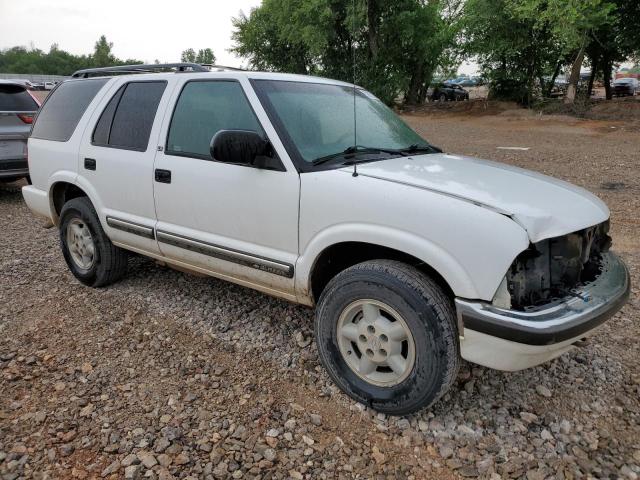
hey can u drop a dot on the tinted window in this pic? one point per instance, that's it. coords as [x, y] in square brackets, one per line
[134, 115]
[14, 98]
[103, 127]
[202, 110]
[60, 114]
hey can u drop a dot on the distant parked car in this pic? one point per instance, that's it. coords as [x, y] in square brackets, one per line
[467, 81]
[449, 91]
[17, 109]
[626, 86]
[49, 85]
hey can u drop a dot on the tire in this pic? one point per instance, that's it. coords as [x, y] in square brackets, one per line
[108, 262]
[443, 97]
[423, 308]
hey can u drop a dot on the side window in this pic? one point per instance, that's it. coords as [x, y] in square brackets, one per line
[103, 127]
[128, 117]
[61, 112]
[204, 108]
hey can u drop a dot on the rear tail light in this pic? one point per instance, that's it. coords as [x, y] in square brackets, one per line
[26, 117]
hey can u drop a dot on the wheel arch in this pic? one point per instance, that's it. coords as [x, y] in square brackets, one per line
[60, 193]
[340, 256]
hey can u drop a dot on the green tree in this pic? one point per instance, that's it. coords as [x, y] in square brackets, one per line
[263, 39]
[390, 47]
[522, 43]
[57, 61]
[102, 56]
[188, 55]
[572, 24]
[514, 51]
[204, 55]
[615, 41]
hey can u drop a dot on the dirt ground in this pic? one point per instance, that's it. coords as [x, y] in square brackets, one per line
[164, 375]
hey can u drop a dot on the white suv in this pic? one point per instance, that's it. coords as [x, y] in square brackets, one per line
[412, 257]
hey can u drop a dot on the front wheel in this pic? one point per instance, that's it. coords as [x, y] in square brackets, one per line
[387, 336]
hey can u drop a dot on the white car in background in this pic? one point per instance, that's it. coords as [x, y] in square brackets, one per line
[412, 257]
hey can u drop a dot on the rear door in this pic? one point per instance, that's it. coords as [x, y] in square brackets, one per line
[116, 159]
[17, 108]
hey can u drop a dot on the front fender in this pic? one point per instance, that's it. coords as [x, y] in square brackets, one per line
[433, 255]
[469, 245]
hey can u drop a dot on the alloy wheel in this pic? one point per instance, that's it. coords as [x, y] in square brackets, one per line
[376, 342]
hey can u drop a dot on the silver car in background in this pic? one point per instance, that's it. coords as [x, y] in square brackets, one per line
[17, 111]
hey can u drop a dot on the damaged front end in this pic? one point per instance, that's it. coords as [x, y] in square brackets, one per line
[555, 293]
[553, 268]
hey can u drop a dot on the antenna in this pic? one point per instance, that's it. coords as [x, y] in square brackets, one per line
[353, 59]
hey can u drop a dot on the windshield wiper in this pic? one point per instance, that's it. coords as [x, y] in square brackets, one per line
[420, 148]
[352, 151]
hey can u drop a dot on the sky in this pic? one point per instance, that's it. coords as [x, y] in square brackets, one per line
[140, 29]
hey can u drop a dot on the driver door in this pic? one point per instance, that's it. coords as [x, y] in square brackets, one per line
[236, 222]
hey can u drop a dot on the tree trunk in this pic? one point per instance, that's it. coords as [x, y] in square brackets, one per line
[413, 95]
[607, 67]
[575, 74]
[552, 82]
[372, 27]
[425, 88]
[592, 77]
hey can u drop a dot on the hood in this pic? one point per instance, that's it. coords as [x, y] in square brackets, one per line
[544, 206]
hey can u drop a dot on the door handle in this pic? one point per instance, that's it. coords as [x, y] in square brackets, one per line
[163, 176]
[90, 163]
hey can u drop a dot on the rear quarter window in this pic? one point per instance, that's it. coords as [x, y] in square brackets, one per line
[15, 98]
[61, 112]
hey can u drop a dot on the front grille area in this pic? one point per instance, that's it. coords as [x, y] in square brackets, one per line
[552, 268]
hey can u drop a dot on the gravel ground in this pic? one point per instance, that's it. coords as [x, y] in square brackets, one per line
[166, 375]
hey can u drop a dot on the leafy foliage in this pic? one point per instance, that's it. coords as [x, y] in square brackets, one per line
[203, 56]
[512, 49]
[56, 61]
[394, 45]
[522, 45]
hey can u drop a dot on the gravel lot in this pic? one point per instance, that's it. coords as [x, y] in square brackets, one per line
[166, 375]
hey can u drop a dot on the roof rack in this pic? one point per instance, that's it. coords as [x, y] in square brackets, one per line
[124, 69]
[213, 66]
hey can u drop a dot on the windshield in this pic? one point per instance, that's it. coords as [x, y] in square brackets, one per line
[319, 119]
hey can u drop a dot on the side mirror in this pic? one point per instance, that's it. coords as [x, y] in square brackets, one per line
[238, 146]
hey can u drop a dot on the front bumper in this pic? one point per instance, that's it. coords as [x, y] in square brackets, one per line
[513, 340]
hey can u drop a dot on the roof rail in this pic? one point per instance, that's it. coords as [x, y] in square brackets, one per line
[124, 69]
[222, 67]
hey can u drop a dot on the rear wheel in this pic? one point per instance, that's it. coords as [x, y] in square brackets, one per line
[89, 253]
[386, 334]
